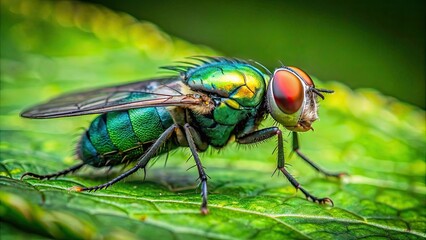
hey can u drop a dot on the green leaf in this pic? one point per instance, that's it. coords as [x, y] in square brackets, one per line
[47, 49]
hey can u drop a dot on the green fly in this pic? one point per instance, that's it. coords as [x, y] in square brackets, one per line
[210, 102]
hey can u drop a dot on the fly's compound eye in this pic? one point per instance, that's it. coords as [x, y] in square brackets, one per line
[304, 76]
[288, 91]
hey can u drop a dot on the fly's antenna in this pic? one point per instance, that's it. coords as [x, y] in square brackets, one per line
[319, 91]
[282, 64]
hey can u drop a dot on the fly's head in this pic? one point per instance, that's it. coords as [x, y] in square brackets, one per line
[293, 99]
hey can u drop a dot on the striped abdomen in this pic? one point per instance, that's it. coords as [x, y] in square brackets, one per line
[121, 137]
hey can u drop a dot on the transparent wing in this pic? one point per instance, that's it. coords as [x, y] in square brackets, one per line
[156, 92]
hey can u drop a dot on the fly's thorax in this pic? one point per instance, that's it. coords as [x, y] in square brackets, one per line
[229, 114]
[224, 122]
[238, 81]
[236, 88]
[291, 100]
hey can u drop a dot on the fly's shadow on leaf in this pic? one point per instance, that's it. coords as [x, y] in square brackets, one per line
[173, 180]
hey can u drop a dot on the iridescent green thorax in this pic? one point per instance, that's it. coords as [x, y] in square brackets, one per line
[236, 80]
[238, 90]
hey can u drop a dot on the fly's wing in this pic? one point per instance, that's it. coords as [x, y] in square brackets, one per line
[157, 92]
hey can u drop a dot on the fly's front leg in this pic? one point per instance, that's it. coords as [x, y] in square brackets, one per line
[296, 149]
[192, 135]
[266, 133]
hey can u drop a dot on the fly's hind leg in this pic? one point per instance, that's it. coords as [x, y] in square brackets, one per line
[142, 162]
[296, 149]
[263, 134]
[54, 175]
[191, 134]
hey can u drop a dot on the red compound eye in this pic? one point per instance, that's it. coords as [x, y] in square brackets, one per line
[304, 76]
[288, 91]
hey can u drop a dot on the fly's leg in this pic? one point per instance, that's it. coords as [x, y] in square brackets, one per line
[54, 175]
[266, 133]
[296, 149]
[142, 162]
[191, 134]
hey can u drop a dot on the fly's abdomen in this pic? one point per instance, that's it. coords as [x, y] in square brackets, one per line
[123, 136]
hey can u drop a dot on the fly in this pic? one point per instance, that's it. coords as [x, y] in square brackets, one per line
[207, 104]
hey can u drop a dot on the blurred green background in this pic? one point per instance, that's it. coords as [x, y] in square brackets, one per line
[373, 44]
